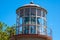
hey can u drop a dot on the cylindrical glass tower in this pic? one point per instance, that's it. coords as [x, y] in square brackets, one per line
[31, 23]
[31, 19]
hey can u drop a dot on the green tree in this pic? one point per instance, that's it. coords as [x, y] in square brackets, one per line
[1, 26]
[11, 30]
[3, 34]
[6, 31]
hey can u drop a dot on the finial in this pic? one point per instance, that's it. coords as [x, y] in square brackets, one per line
[31, 2]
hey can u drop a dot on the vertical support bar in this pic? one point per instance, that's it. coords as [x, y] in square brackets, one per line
[51, 33]
[23, 21]
[17, 23]
[36, 20]
[45, 22]
[30, 19]
[42, 21]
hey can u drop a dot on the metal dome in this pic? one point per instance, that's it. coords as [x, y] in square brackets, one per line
[32, 4]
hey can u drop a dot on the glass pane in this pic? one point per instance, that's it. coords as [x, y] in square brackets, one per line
[38, 12]
[20, 20]
[20, 30]
[33, 11]
[26, 30]
[32, 30]
[43, 14]
[16, 31]
[38, 29]
[33, 20]
[21, 12]
[26, 20]
[39, 20]
[27, 11]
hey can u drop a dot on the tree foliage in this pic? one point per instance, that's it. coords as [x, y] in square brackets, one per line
[6, 31]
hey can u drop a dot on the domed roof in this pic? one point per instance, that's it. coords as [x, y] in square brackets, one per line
[32, 4]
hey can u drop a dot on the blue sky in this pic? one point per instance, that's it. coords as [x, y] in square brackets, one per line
[8, 13]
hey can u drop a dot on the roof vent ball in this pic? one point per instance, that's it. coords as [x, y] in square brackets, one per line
[31, 3]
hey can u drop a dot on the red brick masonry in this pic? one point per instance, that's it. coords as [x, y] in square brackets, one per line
[32, 36]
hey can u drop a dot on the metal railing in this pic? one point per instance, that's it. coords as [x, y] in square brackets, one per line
[48, 31]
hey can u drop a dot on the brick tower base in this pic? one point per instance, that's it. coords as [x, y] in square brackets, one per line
[30, 37]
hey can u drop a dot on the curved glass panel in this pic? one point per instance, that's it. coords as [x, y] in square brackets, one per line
[43, 14]
[26, 20]
[17, 31]
[32, 29]
[39, 20]
[20, 30]
[26, 29]
[33, 11]
[33, 20]
[38, 12]
[21, 20]
[27, 10]
[21, 12]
